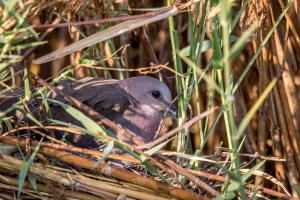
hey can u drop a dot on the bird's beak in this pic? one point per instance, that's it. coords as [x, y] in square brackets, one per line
[172, 108]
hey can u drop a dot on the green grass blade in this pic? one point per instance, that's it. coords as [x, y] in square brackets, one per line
[30, 160]
[28, 115]
[5, 90]
[9, 77]
[17, 27]
[26, 25]
[151, 151]
[106, 152]
[201, 26]
[22, 176]
[20, 150]
[253, 110]
[241, 42]
[33, 183]
[26, 83]
[25, 46]
[86, 121]
[207, 44]
[4, 66]
[115, 56]
[179, 80]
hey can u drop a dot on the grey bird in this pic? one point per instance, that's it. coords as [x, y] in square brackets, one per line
[133, 104]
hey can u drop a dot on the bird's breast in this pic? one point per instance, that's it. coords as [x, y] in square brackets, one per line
[147, 121]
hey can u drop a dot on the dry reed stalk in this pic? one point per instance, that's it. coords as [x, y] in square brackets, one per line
[153, 69]
[289, 85]
[175, 130]
[296, 47]
[276, 135]
[198, 173]
[126, 184]
[121, 190]
[7, 197]
[11, 169]
[90, 152]
[72, 180]
[280, 102]
[42, 158]
[292, 54]
[28, 192]
[43, 188]
[104, 168]
[69, 129]
[286, 95]
[256, 41]
[241, 111]
[263, 82]
[289, 21]
[297, 10]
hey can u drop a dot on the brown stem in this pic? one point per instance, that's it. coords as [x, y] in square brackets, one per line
[289, 86]
[104, 168]
[263, 82]
[285, 95]
[241, 111]
[153, 53]
[44, 188]
[283, 115]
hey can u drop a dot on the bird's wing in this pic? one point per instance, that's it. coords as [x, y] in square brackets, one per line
[103, 95]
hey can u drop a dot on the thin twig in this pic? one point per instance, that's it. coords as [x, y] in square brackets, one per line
[23, 190]
[147, 38]
[72, 130]
[143, 70]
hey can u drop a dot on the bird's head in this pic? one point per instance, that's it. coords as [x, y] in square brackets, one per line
[149, 91]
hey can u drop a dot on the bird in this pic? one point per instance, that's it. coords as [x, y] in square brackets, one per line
[133, 103]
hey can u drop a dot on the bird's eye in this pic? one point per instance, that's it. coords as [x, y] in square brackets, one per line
[156, 94]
